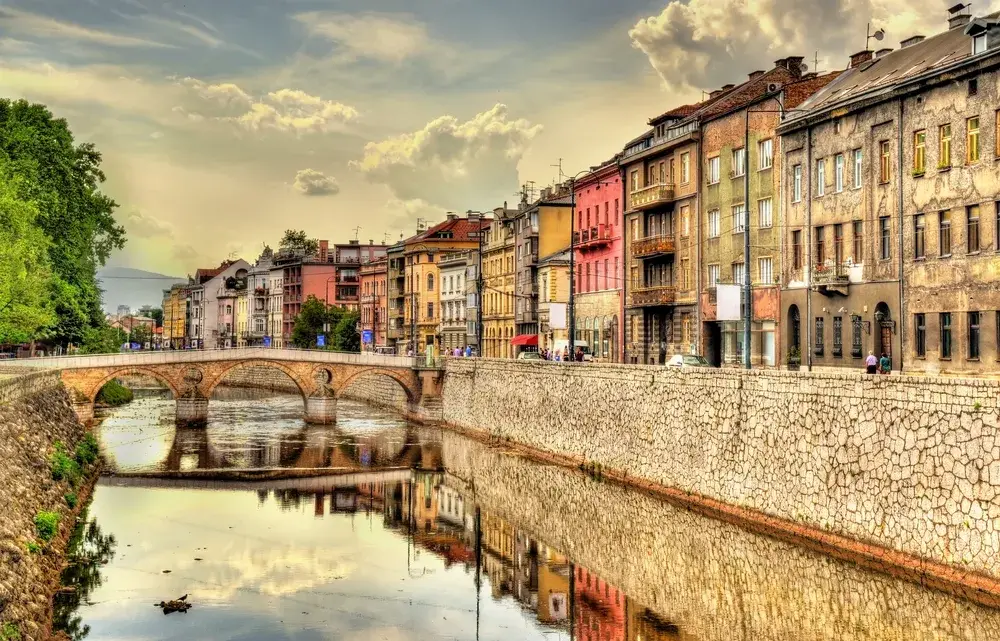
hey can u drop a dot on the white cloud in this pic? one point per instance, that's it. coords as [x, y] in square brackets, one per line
[458, 165]
[24, 22]
[310, 182]
[708, 43]
[373, 36]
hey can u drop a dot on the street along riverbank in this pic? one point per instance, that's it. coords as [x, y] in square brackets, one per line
[48, 468]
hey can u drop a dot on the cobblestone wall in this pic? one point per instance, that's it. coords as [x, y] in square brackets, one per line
[379, 391]
[35, 412]
[908, 463]
[715, 581]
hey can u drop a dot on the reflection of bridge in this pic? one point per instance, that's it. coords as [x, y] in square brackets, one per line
[310, 448]
[192, 376]
[309, 484]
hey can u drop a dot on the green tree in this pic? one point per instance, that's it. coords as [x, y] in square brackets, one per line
[152, 312]
[103, 339]
[63, 178]
[345, 333]
[141, 334]
[297, 242]
[309, 323]
[26, 284]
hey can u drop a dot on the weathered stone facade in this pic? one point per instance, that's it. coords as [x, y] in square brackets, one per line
[715, 581]
[905, 463]
[35, 413]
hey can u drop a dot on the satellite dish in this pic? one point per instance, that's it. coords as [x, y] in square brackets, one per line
[803, 67]
[878, 35]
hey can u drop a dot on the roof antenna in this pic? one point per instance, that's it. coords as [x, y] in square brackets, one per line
[357, 230]
[879, 34]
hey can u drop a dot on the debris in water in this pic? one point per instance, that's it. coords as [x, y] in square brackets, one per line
[177, 605]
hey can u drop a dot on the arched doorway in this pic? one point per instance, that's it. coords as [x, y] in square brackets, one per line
[794, 335]
[884, 326]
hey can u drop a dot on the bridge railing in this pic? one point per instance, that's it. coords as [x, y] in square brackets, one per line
[161, 357]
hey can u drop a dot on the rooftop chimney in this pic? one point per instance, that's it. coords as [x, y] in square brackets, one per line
[911, 41]
[957, 16]
[860, 58]
[452, 216]
[324, 250]
[792, 63]
[473, 216]
[714, 94]
[727, 87]
[882, 52]
[756, 74]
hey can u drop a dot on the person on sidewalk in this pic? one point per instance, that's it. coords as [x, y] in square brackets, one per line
[885, 364]
[871, 363]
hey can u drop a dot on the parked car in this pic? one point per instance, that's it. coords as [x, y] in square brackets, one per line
[529, 356]
[687, 360]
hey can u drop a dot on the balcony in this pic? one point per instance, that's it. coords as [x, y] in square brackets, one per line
[652, 196]
[592, 238]
[654, 296]
[653, 246]
[529, 316]
[830, 279]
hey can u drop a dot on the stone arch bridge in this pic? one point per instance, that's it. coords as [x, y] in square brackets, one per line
[192, 376]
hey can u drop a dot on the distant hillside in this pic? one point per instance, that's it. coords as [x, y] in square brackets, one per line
[133, 287]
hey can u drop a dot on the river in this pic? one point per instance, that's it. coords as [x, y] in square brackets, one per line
[417, 533]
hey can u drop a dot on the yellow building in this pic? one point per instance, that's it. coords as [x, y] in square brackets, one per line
[175, 302]
[553, 297]
[553, 586]
[242, 319]
[499, 272]
[421, 253]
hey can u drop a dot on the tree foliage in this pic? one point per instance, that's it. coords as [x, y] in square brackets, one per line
[152, 312]
[296, 242]
[61, 179]
[141, 334]
[102, 339]
[343, 334]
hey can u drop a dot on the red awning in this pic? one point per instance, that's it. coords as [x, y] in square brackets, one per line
[530, 340]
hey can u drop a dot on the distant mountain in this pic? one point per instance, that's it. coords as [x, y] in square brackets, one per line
[133, 287]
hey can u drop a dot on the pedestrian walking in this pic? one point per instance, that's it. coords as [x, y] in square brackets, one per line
[885, 364]
[871, 363]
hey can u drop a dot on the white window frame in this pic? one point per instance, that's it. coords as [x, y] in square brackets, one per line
[838, 172]
[713, 170]
[765, 276]
[739, 218]
[713, 275]
[797, 184]
[765, 149]
[714, 223]
[979, 44]
[685, 168]
[858, 162]
[739, 162]
[765, 213]
[821, 176]
[739, 273]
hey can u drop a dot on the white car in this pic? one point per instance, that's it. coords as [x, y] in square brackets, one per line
[529, 356]
[687, 360]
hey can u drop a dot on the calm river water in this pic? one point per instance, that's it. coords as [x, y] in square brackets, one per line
[420, 534]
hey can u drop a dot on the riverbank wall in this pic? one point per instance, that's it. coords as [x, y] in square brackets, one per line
[906, 464]
[35, 413]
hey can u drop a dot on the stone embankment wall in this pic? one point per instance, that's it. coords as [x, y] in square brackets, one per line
[714, 580]
[35, 412]
[911, 464]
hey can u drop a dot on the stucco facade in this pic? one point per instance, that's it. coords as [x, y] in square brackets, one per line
[499, 272]
[373, 300]
[453, 300]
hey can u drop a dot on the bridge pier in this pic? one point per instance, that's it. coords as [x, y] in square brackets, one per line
[192, 411]
[84, 411]
[321, 410]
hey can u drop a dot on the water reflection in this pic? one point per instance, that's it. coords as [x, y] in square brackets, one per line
[89, 548]
[476, 544]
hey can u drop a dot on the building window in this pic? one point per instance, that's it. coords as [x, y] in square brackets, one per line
[634, 180]
[838, 336]
[765, 149]
[685, 273]
[978, 44]
[920, 334]
[856, 349]
[972, 139]
[797, 183]
[820, 177]
[820, 245]
[944, 319]
[797, 249]
[685, 168]
[919, 156]
[944, 232]
[818, 348]
[838, 173]
[838, 244]
[885, 240]
[857, 169]
[764, 210]
[739, 218]
[765, 271]
[944, 146]
[974, 320]
[739, 273]
[713, 275]
[713, 170]
[430, 310]
[739, 162]
[885, 165]
[972, 228]
[857, 229]
[919, 239]
[430, 282]
[713, 223]
[685, 220]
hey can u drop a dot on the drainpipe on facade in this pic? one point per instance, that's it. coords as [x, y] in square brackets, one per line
[901, 324]
[808, 251]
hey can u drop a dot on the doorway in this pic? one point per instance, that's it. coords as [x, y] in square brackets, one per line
[883, 326]
[714, 344]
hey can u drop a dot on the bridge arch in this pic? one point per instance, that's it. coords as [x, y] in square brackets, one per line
[305, 388]
[406, 381]
[132, 369]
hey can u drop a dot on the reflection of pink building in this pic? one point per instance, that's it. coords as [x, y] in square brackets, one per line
[600, 608]
[598, 240]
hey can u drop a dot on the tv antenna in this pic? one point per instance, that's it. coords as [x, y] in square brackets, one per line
[878, 34]
[385, 238]
[559, 166]
[357, 230]
[421, 224]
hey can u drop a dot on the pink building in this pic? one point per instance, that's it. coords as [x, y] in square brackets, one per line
[374, 276]
[598, 241]
[349, 258]
[599, 608]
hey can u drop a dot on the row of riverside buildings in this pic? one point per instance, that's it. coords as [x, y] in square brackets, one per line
[873, 217]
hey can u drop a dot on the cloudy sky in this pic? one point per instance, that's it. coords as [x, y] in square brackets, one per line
[224, 122]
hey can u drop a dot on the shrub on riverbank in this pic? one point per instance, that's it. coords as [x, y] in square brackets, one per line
[46, 525]
[64, 467]
[114, 394]
[87, 449]
[10, 632]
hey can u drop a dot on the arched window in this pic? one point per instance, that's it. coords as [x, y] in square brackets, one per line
[430, 282]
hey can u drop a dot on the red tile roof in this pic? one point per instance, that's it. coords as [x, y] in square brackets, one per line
[458, 228]
[203, 275]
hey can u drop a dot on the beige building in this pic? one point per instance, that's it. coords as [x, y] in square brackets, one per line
[553, 296]
[498, 285]
[891, 208]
